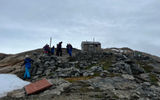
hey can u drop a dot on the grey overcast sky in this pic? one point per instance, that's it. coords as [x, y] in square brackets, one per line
[28, 24]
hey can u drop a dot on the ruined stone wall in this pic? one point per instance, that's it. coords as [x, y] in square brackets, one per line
[91, 46]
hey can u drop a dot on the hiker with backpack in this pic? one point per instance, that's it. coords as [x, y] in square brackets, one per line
[27, 63]
[46, 49]
[52, 50]
[69, 49]
[59, 49]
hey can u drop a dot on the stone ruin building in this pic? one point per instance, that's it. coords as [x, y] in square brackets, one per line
[90, 46]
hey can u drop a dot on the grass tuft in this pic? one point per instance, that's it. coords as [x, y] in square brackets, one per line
[74, 79]
[153, 78]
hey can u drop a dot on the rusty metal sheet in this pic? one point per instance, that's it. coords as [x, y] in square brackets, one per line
[37, 86]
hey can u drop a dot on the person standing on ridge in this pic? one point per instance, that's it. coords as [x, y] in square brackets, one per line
[59, 49]
[57, 52]
[27, 63]
[52, 50]
[46, 49]
[69, 49]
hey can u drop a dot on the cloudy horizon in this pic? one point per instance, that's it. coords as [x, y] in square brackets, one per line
[28, 24]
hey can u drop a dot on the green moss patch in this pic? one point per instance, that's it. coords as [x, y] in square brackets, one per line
[51, 74]
[96, 74]
[74, 79]
[153, 78]
[88, 67]
[106, 65]
[148, 68]
[145, 66]
[113, 75]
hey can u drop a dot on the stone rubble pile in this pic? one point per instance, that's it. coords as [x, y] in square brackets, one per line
[129, 76]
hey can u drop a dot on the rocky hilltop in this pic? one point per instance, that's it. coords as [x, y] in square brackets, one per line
[113, 74]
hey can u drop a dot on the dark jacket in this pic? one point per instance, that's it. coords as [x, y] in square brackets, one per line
[27, 62]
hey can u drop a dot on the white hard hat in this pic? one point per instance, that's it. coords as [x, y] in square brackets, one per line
[27, 56]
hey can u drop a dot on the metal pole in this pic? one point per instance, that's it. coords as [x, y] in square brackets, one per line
[50, 42]
[93, 39]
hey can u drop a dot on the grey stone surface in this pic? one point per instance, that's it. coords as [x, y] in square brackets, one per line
[124, 78]
[59, 86]
[129, 77]
[17, 93]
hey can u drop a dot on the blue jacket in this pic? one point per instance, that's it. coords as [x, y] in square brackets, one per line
[52, 50]
[27, 62]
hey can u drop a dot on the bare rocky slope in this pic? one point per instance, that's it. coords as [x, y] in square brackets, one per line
[113, 74]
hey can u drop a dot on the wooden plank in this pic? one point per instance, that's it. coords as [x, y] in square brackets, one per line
[37, 86]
